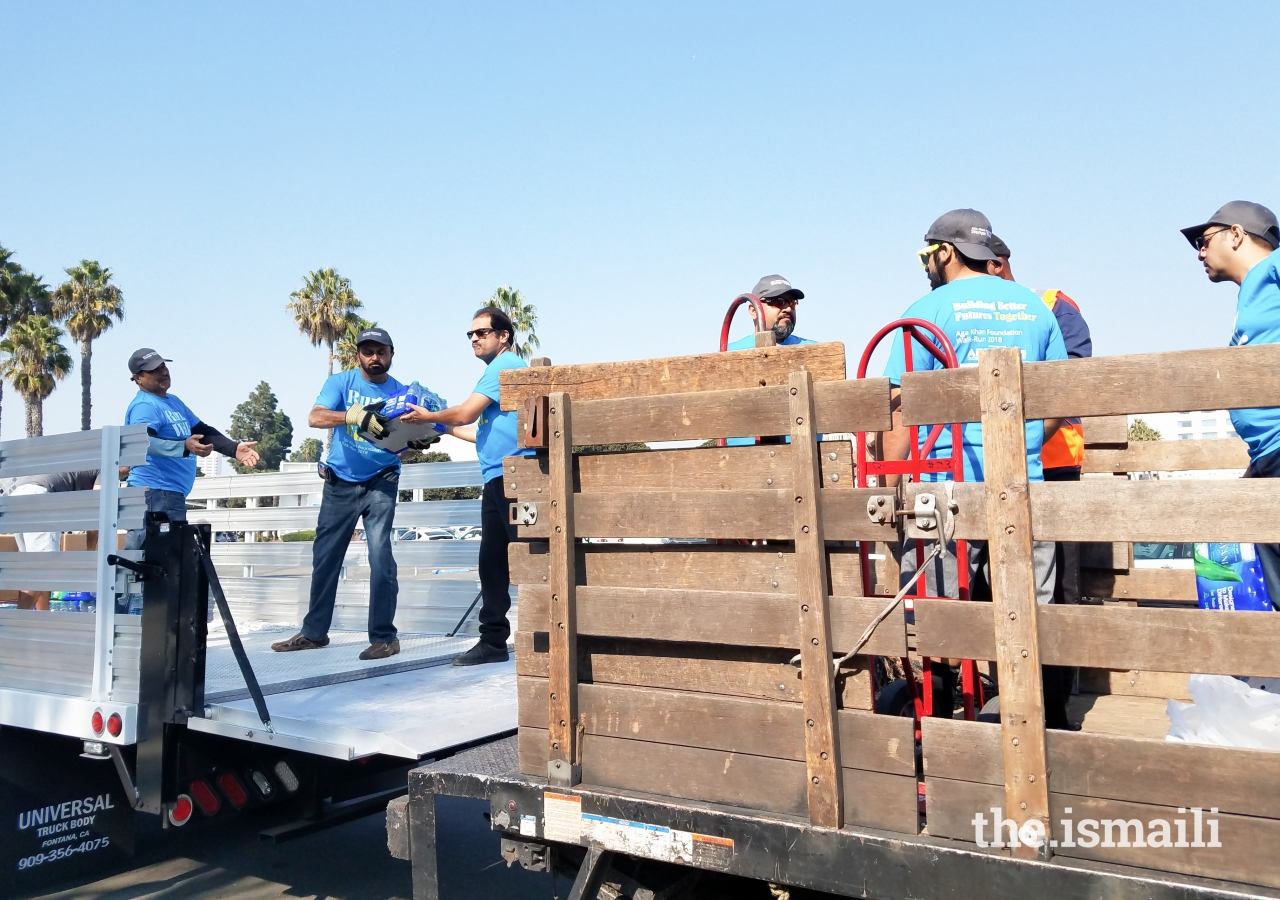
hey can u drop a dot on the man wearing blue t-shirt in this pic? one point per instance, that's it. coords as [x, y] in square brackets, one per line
[780, 300]
[175, 436]
[479, 418]
[1239, 244]
[361, 480]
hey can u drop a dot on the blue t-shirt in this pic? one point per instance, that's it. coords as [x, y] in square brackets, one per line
[982, 313]
[496, 430]
[1258, 322]
[351, 457]
[170, 419]
[749, 343]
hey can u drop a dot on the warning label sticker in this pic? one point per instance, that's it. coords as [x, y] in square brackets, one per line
[561, 817]
[657, 842]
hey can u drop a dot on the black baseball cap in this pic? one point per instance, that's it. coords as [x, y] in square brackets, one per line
[1000, 248]
[968, 230]
[771, 286]
[375, 336]
[145, 360]
[1254, 218]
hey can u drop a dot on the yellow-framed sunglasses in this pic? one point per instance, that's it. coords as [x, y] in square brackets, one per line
[926, 253]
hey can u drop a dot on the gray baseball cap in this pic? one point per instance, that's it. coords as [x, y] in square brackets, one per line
[968, 230]
[1000, 248]
[1254, 218]
[145, 360]
[771, 286]
[376, 336]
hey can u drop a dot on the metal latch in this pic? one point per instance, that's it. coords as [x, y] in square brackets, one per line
[524, 512]
[880, 508]
[926, 512]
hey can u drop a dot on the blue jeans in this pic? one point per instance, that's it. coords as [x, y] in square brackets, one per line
[343, 505]
[1268, 554]
[171, 503]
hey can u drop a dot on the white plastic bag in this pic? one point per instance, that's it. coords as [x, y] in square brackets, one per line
[1227, 712]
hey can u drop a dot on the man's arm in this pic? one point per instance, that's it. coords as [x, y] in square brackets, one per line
[465, 413]
[463, 432]
[239, 450]
[324, 417]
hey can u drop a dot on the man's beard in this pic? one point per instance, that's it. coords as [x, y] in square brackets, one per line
[375, 368]
[937, 278]
[783, 327]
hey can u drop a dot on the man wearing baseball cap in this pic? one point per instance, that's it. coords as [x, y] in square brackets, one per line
[175, 436]
[361, 480]
[1239, 244]
[779, 299]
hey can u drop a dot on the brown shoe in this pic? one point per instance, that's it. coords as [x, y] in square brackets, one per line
[299, 642]
[381, 650]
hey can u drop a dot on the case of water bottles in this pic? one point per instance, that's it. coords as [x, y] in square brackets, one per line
[1229, 576]
[398, 403]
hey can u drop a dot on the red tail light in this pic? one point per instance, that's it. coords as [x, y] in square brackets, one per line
[181, 812]
[114, 725]
[96, 723]
[205, 798]
[233, 790]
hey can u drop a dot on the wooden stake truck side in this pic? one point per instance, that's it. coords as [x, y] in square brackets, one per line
[661, 715]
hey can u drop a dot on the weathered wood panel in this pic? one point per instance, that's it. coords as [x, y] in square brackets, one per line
[1106, 430]
[675, 374]
[1170, 585]
[754, 672]
[1134, 683]
[561, 615]
[1170, 456]
[1178, 640]
[715, 617]
[706, 468]
[1108, 385]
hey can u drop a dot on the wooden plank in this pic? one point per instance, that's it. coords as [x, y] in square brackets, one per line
[1113, 430]
[1013, 590]
[842, 406]
[754, 672]
[876, 799]
[1134, 683]
[1115, 637]
[1170, 456]
[1246, 851]
[1171, 585]
[1120, 714]
[821, 734]
[697, 567]
[1240, 377]
[740, 618]
[711, 468]
[675, 374]
[716, 515]
[562, 615]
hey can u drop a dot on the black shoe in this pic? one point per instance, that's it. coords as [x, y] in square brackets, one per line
[381, 650]
[480, 654]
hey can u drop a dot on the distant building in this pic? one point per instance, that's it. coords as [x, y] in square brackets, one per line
[1190, 426]
[214, 464]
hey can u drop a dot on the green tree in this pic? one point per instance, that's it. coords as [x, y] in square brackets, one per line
[523, 316]
[88, 303]
[345, 350]
[309, 450]
[1141, 431]
[321, 308]
[259, 419]
[22, 294]
[36, 361]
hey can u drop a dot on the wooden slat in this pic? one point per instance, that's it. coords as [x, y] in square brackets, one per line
[1113, 430]
[716, 515]
[1170, 456]
[710, 468]
[675, 374]
[821, 735]
[842, 406]
[1013, 590]
[739, 725]
[1237, 377]
[754, 672]
[562, 615]
[1120, 714]
[714, 617]
[1247, 851]
[1158, 640]
[876, 799]
[696, 567]
[1171, 585]
[1134, 683]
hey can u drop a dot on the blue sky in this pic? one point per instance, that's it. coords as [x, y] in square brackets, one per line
[629, 168]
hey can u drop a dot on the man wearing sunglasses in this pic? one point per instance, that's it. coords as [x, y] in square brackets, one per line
[1239, 244]
[480, 419]
[780, 300]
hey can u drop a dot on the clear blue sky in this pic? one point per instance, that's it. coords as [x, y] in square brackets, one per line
[629, 168]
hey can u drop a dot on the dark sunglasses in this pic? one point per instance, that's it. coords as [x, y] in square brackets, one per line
[480, 333]
[781, 302]
[1203, 241]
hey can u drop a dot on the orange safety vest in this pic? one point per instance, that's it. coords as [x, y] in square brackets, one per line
[1066, 448]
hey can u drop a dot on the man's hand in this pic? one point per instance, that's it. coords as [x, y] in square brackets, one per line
[246, 455]
[417, 414]
[195, 446]
[423, 443]
[368, 419]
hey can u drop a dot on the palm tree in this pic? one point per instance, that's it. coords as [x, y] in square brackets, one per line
[321, 307]
[36, 362]
[523, 316]
[89, 304]
[345, 350]
[22, 294]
